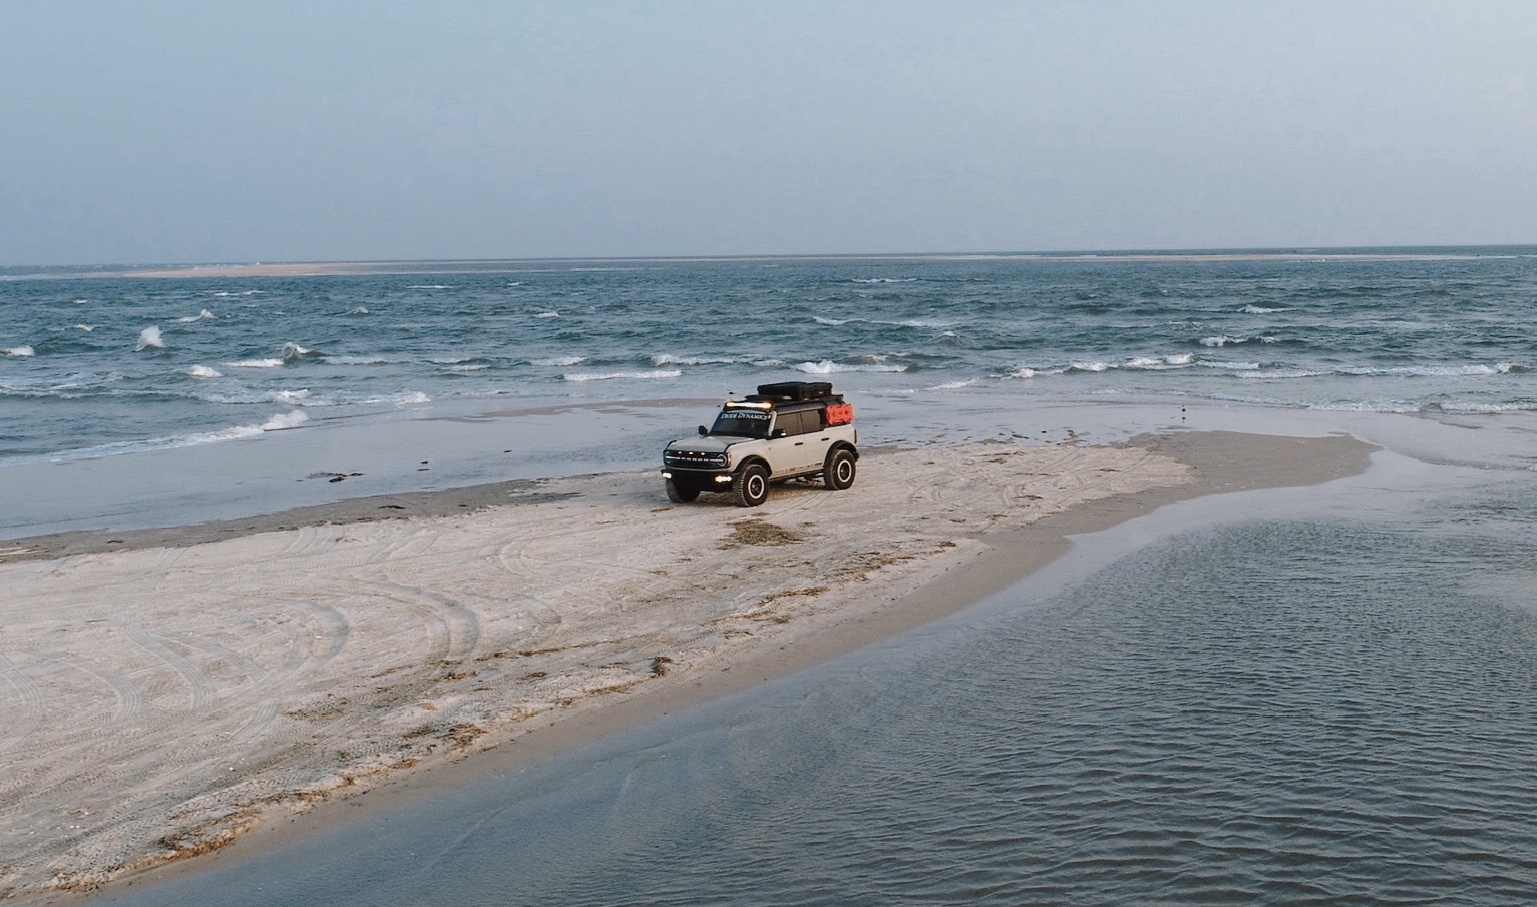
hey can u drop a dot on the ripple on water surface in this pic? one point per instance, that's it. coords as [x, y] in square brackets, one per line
[1278, 713]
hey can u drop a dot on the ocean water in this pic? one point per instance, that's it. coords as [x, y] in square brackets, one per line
[1280, 697]
[100, 366]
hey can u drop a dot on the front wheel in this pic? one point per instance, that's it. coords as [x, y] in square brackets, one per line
[680, 492]
[838, 471]
[752, 486]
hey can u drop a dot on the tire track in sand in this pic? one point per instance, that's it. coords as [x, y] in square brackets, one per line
[198, 687]
[309, 652]
[34, 704]
[130, 701]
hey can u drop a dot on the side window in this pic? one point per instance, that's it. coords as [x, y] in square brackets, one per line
[802, 422]
[790, 423]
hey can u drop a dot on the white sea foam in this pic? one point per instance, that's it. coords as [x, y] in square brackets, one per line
[1222, 341]
[203, 371]
[255, 363]
[293, 352]
[560, 361]
[1091, 367]
[955, 385]
[1024, 371]
[469, 367]
[150, 339]
[19, 351]
[278, 422]
[609, 376]
[357, 360]
[1486, 409]
[404, 398]
[360, 310]
[1427, 371]
[85, 327]
[79, 301]
[297, 397]
[204, 315]
[1278, 374]
[1260, 310]
[930, 323]
[547, 314]
[1158, 363]
[666, 359]
[1236, 366]
[429, 286]
[285, 420]
[828, 367]
[1368, 406]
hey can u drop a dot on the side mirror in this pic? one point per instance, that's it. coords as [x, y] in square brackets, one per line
[703, 430]
[779, 433]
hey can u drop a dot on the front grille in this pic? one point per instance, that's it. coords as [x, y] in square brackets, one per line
[694, 459]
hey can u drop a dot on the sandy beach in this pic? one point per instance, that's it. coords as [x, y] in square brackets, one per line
[170, 691]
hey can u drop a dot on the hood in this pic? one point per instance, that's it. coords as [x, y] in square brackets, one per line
[706, 443]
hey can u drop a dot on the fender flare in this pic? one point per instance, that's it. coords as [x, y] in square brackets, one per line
[748, 461]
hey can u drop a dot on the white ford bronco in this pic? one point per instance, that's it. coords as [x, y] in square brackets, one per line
[790, 430]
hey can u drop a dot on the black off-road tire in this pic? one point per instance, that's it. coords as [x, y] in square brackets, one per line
[681, 492]
[839, 470]
[751, 486]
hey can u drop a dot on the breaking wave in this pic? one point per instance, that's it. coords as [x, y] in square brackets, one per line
[828, 367]
[634, 376]
[665, 359]
[150, 339]
[277, 422]
[1428, 371]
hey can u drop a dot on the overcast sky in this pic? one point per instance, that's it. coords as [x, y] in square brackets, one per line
[156, 131]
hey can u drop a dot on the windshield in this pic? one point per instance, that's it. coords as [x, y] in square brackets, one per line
[746, 423]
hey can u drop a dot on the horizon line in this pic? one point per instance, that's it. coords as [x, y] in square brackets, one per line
[384, 266]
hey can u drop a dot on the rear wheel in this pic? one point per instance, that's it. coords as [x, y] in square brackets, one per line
[751, 485]
[681, 492]
[838, 472]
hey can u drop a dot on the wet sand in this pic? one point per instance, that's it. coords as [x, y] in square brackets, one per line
[225, 687]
